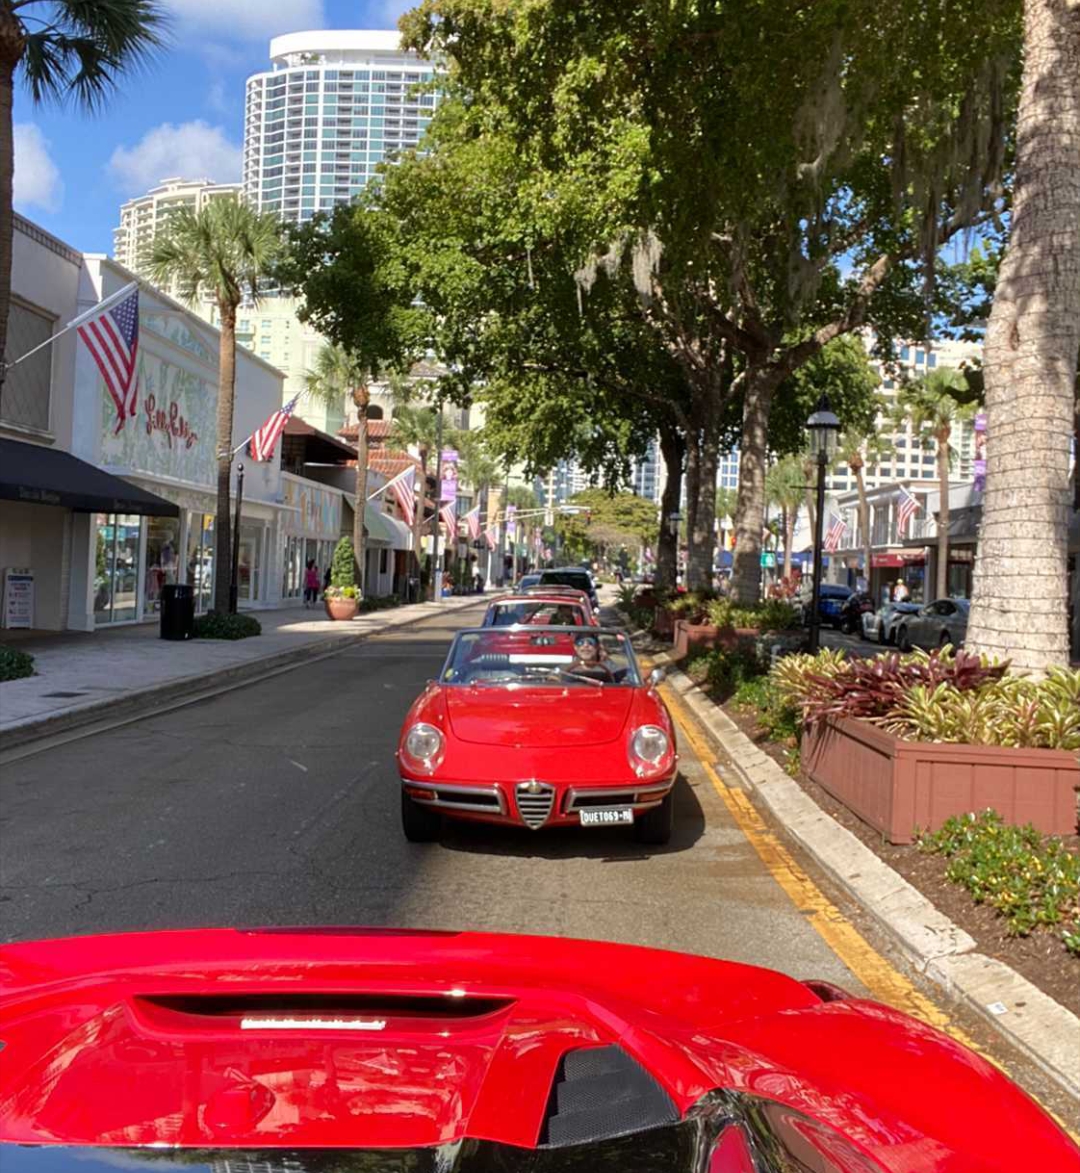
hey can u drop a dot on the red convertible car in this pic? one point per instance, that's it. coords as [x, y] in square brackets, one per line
[556, 610]
[381, 1051]
[539, 727]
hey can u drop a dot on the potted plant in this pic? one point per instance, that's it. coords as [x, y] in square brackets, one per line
[342, 597]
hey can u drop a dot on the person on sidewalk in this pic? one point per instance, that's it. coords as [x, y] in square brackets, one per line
[311, 584]
[901, 594]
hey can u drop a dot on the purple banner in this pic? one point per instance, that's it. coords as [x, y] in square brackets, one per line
[449, 488]
[980, 452]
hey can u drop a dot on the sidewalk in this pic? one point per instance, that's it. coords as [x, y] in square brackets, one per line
[85, 677]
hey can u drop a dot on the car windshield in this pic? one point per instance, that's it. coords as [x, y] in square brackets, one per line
[542, 656]
[537, 612]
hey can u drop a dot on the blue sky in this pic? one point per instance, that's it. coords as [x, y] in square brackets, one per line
[183, 115]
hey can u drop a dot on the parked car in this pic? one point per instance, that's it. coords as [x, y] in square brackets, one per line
[526, 726]
[299, 1050]
[881, 625]
[574, 576]
[526, 581]
[938, 624]
[548, 609]
[854, 607]
[830, 602]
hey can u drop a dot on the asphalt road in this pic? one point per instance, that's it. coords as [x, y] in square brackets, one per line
[277, 803]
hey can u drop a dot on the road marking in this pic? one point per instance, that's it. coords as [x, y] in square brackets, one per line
[299, 765]
[885, 983]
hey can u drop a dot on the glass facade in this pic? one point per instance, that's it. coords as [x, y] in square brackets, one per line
[162, 560]
[200, 558]
[250, 563]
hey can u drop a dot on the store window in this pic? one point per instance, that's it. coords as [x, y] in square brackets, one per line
[116, 568]
[162, 560]
[250, 561]
[200, 559]
[292, 579]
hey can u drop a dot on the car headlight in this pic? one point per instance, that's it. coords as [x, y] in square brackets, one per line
[424, 744]
[650, 745]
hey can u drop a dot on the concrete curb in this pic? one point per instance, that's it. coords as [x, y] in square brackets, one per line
[146, 700]
[1028, 1019]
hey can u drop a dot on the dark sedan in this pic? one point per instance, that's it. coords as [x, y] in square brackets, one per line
[830, 605]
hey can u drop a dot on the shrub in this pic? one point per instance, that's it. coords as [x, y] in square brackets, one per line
[1042, 714]
[382, 603]
[1032, 880]
[725, 670]
[793, 676]
[773, 615]
[875, 689]
[691, 606]
[221, 625]
[14, 665]
[343, 566]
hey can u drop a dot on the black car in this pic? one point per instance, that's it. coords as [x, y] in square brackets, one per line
[571, 576]
[852, 611]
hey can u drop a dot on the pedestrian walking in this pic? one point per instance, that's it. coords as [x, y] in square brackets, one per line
[311, 584]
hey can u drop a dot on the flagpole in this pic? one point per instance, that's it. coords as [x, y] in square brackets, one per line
[75, 322]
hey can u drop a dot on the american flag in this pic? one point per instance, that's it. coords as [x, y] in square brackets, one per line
[837, 528]
[472, 520]
[448, 513]
[112, 337]
[491, 535]
[403, 488]
[262, 442]
[907, 505]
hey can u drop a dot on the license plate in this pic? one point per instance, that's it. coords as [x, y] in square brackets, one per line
[607, 816]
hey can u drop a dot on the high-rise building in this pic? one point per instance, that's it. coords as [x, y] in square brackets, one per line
[144, 216]
[334, 104]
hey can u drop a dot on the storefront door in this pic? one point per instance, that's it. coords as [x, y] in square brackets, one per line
[116, 570]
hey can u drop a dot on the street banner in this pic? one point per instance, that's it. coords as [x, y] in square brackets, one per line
[449, 487]
[980, 452]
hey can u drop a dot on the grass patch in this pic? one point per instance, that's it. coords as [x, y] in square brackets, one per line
[218, 625]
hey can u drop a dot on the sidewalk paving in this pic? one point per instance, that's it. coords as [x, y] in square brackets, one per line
[84, 677]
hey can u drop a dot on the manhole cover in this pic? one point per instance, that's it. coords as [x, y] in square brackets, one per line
[63, 694]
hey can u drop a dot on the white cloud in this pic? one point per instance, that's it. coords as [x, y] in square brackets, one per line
[192, 150]
[247, 19]
[37, 178]
[216, 99]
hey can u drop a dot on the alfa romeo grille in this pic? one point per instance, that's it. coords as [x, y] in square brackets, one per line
[534, 802]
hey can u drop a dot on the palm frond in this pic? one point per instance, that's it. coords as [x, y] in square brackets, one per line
[85, 45]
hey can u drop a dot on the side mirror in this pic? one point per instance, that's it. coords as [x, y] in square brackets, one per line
[657, 676]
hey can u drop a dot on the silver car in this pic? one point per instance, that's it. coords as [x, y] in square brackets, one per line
[881, 625]
[938, 624]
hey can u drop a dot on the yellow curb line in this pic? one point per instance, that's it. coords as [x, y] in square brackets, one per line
[883, 980]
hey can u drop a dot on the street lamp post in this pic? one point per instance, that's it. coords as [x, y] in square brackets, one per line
[824, 430]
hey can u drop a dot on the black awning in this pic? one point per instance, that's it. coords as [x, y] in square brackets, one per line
[46, 476]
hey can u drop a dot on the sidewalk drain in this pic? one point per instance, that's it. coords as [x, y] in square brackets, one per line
[63, 694]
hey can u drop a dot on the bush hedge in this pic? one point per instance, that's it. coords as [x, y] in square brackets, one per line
[1030, 879]
[383, 603]
[14, 665]
[218, 625]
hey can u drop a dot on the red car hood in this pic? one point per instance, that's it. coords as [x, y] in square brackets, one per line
[533, 718]
[369, 1039]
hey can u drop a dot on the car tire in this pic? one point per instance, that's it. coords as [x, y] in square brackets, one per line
[945, 640]
[654, 827]
[883, 636]
[419, 824]
[902, 641]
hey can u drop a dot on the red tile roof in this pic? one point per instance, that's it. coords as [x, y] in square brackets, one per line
[377, 431]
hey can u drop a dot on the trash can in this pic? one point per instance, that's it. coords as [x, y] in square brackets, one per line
[177, 611]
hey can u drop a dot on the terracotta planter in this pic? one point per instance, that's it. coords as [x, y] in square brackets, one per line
[694, 637]
[341, 608]
[899, 786]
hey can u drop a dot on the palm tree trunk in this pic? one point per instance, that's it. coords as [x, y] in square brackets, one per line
[225, 407]
[864, 519]
[789, 540]
[11, 45]
[942, 576]
[1020, 604]
[750, 511]
[673, 448]
[361, 398]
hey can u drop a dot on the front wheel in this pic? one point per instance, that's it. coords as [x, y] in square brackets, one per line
[419, 823]
[945, 640]
[654, 827]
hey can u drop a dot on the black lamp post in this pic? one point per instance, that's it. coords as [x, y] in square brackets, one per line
[824, 430]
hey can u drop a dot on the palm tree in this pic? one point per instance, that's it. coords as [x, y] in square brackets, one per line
[73, 50]
[784, 487]
[337, 374]
[416, 426]
[1020, 606]
[223, 250]
[857, 449]
[934, 405]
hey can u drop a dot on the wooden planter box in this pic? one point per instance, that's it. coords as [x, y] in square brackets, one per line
[696, 637]
[899, 786]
